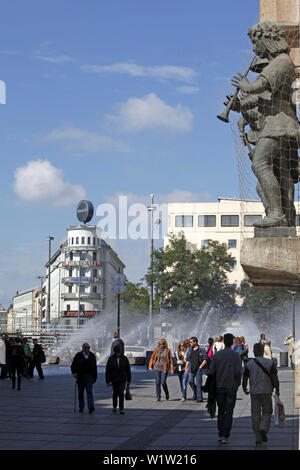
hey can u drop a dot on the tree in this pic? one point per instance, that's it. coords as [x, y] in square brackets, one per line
[187, 278]
[136, 298]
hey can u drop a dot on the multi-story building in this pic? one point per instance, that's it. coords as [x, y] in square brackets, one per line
[23, 315]
[227, 221]
[80, 278]
[3, 318]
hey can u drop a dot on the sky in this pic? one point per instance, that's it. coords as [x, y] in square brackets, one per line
[108, 98]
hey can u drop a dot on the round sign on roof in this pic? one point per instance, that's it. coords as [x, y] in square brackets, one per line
[85, 211]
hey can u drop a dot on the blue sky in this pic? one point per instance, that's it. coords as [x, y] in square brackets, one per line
[108, 97]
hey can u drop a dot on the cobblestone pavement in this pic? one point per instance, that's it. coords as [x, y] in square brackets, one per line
[41, 417]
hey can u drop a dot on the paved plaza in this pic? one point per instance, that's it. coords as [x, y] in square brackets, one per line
[41, 417]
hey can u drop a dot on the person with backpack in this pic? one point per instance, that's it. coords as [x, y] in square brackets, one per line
[263, 378]
[16, 362]
[38, 357]
[27, 358]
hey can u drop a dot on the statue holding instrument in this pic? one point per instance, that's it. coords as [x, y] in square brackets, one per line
[267, 109]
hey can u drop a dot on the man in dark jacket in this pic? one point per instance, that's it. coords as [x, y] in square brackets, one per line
[117, 374]
[16, 361]
[196, 364]
[37, 359]
[84, 370]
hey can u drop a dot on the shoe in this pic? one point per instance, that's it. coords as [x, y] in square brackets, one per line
[272, 221]
[183, 399]
[114, 410]
[167, 397]
[41, 378]
[264, 437]
[157, 399]
[194, 398]
[80, 410]
[220, 439]
[224, 440]
[200, 401]
[122, 412]
[258, 443]
[91, 410]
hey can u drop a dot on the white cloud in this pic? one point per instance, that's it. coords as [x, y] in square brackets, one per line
[80, 139]
[164, 72]
[150, 112]
[39, 182]
[188, 90]
[56, 59]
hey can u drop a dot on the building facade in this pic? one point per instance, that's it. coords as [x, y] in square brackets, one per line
[81, 279]
[227, 221]
[24, 312]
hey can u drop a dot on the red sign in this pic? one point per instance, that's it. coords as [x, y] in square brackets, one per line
[86, 313]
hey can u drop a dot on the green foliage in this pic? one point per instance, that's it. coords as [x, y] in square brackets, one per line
[136, 298]
[187, 278]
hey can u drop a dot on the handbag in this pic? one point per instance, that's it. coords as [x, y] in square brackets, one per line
[279, 413]
[128, 395]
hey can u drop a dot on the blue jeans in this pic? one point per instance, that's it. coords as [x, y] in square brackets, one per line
[85, 382]
[161, 380]
[197, 389]
[226, 398]
[183, 378]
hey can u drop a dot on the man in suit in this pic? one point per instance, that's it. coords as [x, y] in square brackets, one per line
[117, 374]
[84, 370]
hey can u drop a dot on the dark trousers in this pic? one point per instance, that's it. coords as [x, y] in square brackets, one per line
[197, 388]
[161, 380]
[85, 382]
[226, 398]
[19, 369]
[38, 366]
[118, 392]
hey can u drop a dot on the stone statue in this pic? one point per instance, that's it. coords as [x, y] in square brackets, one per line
[267, 108]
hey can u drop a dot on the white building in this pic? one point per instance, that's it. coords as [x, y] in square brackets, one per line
[227, 221]
[80, 278]
[24, 312]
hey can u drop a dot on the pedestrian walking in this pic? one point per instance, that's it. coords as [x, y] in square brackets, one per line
[7, 372]
[219, 344]
[196, 365]
[161, 362]
[246, 349]
[84, 370]
[3, 358]
[117, 341]
[226, 365]
[267, 350]
[38, 357]
[289, 341]
[27, 358]
[263, 377]
[262, 338]
[16, 362]
[117, 374]
[180, 355]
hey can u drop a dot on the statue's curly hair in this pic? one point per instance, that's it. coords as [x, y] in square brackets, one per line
[272, 34]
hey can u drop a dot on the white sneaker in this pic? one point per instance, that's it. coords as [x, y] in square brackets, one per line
[224, 440]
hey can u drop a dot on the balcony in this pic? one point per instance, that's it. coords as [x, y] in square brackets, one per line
[82, 280]
[83, 296]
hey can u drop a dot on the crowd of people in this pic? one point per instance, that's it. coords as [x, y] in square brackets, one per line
[223, 361]
[18, 360]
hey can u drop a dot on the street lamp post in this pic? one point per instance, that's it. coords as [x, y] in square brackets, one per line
[40, 309]
[151, 209]
[119, 288]
[294, 314]
[49, 239]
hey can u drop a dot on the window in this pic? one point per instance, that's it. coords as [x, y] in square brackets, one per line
[230, 220]
[183, 221]
[82, 256]
[68, 307]
[77, 240]
[82, 272]
[95, 289]
[249, 220]
[89, 240]
[206, 220]
[95, 273]
[71, 255]
[82, 240]
[232, 243]
[204, 243]
[72, 240]
[94, 241]
[82, 289]
[70, 289]
[70, 272]
[297, 220]
[94, 256]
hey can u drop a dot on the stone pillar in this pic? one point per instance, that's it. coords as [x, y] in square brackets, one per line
[297, 374]
[287, 14]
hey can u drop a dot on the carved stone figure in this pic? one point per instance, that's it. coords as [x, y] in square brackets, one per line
[266, 106]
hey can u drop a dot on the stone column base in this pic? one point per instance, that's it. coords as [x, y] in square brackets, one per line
[272, 263]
